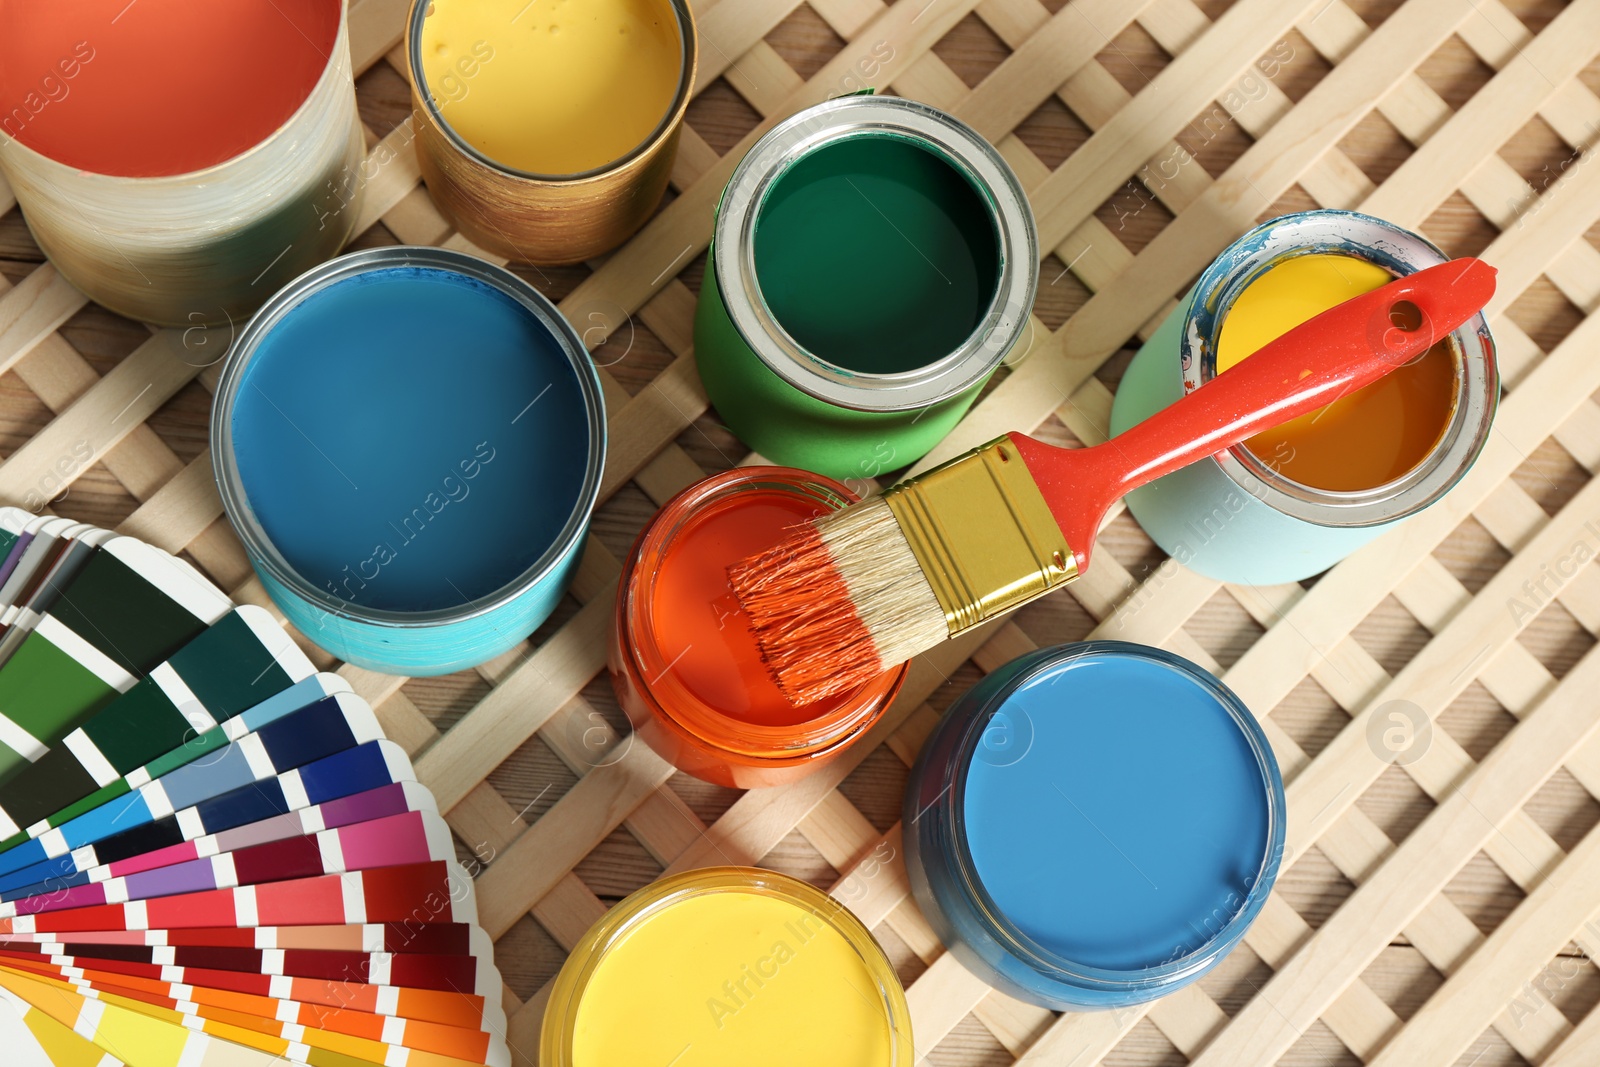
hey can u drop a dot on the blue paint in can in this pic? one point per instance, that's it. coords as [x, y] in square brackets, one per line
[1094, 825]
[410, 443]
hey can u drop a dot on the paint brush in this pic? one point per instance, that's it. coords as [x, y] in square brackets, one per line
[867, 587]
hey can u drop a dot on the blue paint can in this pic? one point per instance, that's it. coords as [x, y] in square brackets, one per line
[409, 442]
[1094, 825]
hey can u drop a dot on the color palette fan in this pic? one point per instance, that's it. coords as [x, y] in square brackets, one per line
[211, 854]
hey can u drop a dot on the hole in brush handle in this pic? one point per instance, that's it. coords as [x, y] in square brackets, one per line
[1397, 332]
[1406, 316]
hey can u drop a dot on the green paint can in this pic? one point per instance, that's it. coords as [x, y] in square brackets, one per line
[874, 260]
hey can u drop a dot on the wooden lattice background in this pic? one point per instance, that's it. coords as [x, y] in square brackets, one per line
[1441, 911]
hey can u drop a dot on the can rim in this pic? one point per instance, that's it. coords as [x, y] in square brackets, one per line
[1004, 323]
[1045, 962]
[1398, 251]
[260, 548]
[688, 39]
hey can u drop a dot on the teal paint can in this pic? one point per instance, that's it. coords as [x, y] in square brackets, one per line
[409, 442]
[1235, 517]
[874, 261]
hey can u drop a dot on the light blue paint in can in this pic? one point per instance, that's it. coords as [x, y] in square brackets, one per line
[1234, 518]
[1094, 825]
[409, 442]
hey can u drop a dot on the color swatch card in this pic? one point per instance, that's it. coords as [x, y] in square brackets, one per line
[162, 844]
[160, 1035]
[210, 856]
[38, 588]
[284, 1018]
[136, 842]
[461, 974]
[126, 609]
[13, 528]
[447, 939]
[36, 583]
[237, 785]
[401, 838]
[202, 748]
[33, 1039]
[423, 892]
[311, 998]
[38, 544]
[239, 662]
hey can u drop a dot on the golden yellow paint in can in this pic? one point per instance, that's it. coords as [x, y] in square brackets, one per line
[1369, 438]
[546, 128]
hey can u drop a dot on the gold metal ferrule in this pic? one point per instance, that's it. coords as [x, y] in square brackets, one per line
[985, 537]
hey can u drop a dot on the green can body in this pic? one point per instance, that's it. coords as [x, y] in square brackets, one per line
[873, 262]
[790, 427]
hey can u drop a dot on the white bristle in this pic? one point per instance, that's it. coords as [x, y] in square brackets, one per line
[892, 596]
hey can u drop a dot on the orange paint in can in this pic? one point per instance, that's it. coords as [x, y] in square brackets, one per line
[157, 87]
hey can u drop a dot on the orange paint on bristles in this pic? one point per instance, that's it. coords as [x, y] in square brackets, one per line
[797, 601]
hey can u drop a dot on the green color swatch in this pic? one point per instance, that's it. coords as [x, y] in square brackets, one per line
[124, 615]
[47, 693]
[228, 669]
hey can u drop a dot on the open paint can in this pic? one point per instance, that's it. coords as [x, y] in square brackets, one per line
[1294, 501]
[687, 670]
[874, 261]
[741, 965]
[409, 442]
[546, 133]
[180, 162]
[1094, 825]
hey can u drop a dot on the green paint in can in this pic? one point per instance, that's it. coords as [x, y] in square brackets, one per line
[888, 212]
[874, 261]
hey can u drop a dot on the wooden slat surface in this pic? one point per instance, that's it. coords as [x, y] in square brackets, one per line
[1444, 911]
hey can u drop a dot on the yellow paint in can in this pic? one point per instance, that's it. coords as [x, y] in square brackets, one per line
[727, 967]
[1360, 441]
[552, 87]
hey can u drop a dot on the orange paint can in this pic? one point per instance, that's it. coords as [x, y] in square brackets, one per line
[685, 667]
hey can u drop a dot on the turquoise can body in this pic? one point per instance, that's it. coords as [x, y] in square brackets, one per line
[424, 651]
[1094, 825]
[1233, 517]
[409, 442]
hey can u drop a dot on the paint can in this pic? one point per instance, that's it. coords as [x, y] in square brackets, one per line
[734, 962]
[409, 442]
[543, 138]
[1240, 516]
[687, 671]
[1094, 825]
[156, 208]
[874, 260]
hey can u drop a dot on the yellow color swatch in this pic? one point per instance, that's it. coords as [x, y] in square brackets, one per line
[65, 1048]
[143, 1039]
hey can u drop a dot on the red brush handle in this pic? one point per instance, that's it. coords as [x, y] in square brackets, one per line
[1336, 353]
